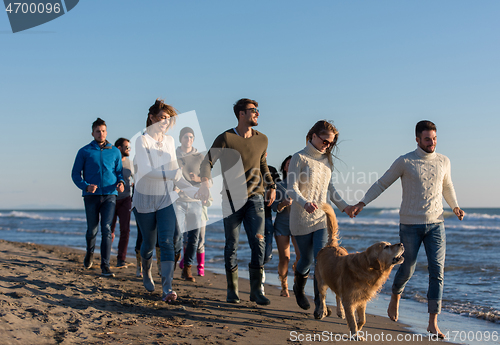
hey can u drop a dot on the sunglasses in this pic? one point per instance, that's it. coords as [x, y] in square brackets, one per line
[326, 142]
[254, 110]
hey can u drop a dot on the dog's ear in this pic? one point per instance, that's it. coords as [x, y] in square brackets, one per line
[372, 257]
[375, 264]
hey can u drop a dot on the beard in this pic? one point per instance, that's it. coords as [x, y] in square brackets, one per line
[428, 149]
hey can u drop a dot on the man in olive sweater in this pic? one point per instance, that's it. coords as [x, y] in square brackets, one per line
[242, 154]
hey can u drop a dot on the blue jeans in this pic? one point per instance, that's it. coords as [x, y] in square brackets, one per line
[157, 225]
[252, 216]
[309, 247]
[269, 234]
[434, 238]
[103, 205]
[189, 221]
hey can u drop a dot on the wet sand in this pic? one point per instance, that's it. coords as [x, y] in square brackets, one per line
[47, 297]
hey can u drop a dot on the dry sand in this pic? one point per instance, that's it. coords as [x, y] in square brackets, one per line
[47, 297]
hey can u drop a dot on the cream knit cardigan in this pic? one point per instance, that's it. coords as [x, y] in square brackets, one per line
[425, 178]
[309, 180]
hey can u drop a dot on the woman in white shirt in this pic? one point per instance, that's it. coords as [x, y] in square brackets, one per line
[310, 185]
[157, 172]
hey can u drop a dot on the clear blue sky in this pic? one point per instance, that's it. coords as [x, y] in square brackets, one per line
[373, 67]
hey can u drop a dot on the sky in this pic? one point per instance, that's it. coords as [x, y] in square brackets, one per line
[375, 68]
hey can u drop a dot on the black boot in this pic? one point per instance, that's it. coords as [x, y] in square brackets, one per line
[298, 289]
[232, 286]
[255, 286]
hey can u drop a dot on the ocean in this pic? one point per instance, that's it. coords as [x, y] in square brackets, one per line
[471, 305]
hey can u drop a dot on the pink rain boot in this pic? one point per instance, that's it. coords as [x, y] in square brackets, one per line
[200, 257]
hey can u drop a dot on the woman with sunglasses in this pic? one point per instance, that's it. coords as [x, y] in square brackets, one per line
[309, 183]
[157, 172]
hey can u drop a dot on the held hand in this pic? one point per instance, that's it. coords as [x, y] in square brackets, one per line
[284, 204]
[194, 177]
[120, 187]
[349, 210]
[91, 188]
[203, 193]
[356, 209]
[310, 207]
[459, 213]
[270, 196]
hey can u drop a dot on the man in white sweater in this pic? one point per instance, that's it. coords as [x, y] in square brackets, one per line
[426, 179]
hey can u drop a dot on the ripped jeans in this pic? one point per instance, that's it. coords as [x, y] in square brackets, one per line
[162, 224]
[252, 216]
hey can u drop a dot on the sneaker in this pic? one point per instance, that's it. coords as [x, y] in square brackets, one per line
[87, 262]
[106, 272]
[121, 263]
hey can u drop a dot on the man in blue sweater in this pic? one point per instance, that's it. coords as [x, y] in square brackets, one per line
[97, 171]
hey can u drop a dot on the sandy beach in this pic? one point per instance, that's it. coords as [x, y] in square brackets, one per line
[47, 297]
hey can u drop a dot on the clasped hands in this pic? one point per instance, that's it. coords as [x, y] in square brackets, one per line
[120, 187]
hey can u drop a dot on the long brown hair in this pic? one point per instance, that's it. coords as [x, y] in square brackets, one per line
[160, 105]
[324, 127]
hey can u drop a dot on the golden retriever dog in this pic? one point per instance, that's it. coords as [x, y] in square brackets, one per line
[354, 278]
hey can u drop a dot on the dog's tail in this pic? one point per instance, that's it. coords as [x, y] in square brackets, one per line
[333, 227]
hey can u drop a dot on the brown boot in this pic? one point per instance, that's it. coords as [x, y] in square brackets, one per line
[186, 273]
[284, 285]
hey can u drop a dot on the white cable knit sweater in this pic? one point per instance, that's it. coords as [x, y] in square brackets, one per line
[425, 178]
[309, 180]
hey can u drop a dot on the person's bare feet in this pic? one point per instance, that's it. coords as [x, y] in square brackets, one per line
[433, 326]
[393, 309]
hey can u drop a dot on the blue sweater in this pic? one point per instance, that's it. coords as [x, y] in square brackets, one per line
[102, 167]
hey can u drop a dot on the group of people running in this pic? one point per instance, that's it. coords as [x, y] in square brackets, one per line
[172, 190]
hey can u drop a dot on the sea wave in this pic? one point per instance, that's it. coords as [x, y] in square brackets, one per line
[372, 221]
[390, 212]
[464, 309]
[50, 231]
[482, 216]
[36, 216]
[484, 313]
[472, 227]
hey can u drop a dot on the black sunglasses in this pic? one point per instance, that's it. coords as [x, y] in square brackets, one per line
[326, 142]
[254, 110]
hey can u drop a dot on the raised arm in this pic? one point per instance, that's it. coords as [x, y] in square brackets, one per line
[389, 177]
[336, 198]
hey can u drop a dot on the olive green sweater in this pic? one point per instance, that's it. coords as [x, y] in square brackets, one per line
[243, 163]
